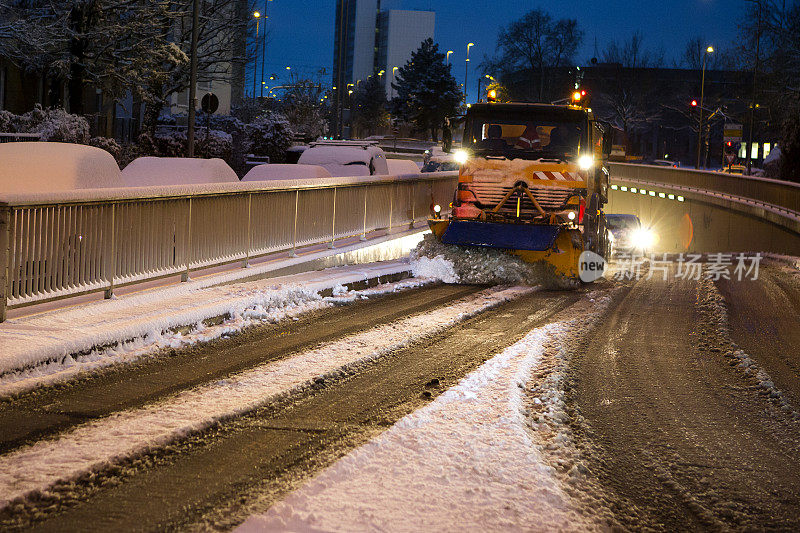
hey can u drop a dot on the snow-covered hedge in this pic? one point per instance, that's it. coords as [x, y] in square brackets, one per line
[270, 135]
[53, 124]
[108, 144]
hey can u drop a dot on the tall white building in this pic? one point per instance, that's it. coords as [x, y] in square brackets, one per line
[400, 33]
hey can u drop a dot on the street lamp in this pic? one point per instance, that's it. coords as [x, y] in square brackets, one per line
[447, 57]
[709, 50]
[466, 71]
[263, 48]
[394, 79]
[257, 16]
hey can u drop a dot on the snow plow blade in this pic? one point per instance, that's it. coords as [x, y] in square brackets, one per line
[530, 237]
[556, 246]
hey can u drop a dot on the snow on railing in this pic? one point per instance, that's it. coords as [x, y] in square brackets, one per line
[63, 244]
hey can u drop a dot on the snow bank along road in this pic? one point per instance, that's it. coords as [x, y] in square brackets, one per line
[646, 405]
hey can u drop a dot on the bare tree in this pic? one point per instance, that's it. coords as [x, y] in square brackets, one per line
[632, 53]
[533, 43]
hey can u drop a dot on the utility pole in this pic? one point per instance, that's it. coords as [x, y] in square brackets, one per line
[193, 77]
[466, 71]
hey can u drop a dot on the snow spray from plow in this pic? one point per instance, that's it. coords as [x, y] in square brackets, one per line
[482, 266]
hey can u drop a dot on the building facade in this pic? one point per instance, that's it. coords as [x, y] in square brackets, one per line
[369, 41]
[399, 34]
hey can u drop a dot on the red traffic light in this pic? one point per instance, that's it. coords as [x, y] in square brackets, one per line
[694, 103]
[730, 143]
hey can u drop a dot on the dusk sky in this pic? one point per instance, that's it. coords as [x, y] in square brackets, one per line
[302, 32]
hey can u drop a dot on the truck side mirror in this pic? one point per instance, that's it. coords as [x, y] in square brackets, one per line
[608, 138]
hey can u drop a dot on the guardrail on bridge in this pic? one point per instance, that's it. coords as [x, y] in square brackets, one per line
[66, 244]
[778, 193]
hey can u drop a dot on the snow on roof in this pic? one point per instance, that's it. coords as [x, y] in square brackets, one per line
[345, 160]
[285, 172]
[332, 154]
[41, 167]
[402, 166]
[148, 171]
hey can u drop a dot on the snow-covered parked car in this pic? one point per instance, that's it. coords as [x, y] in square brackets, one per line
[437, 160]
[346, 158]
[41, 167]
[149, 171]
[398, 167]
[285, 172]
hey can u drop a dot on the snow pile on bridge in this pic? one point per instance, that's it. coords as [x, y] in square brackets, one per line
[481, 266]
[475, 456]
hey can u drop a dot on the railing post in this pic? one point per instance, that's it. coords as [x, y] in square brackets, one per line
[333, 223]
[111, 260]
[249, 229]
[413, 203]
[364, 233]
[391, 206]
[188, 240]
[5, 259]
[294, 242]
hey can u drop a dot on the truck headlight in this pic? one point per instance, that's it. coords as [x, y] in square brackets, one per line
[585, 162]
[460, 156]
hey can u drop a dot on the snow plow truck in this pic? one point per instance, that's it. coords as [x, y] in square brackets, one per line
[533, 181]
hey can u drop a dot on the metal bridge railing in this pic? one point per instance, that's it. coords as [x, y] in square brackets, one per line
[89, 241]
[782, 194]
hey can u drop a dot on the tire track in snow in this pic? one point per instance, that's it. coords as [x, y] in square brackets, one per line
[97, 444]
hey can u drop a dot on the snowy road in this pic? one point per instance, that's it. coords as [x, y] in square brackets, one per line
[678, 434]
[248, 460]
[642, 405]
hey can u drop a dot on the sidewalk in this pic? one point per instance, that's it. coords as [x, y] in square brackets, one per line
[52, 335]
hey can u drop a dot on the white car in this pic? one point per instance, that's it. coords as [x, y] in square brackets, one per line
[347, 158]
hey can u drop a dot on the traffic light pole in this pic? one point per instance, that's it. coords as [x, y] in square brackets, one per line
[749, 151]
[700, 125]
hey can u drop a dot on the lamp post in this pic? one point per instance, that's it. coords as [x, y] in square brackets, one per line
[709, 50]
[447, 57]
[466, 71]
[257, 16]
[394, 79]
[264, 47]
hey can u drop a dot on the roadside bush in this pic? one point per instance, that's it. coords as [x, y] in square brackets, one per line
[270, 135]
[53, 124]
[109, 145]
[56, 125]
[214, 144]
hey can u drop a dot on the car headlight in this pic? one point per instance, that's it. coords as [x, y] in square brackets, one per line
[460, 156]
[585, 162]
[643, 238]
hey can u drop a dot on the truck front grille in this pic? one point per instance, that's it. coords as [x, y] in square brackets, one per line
[550, 198]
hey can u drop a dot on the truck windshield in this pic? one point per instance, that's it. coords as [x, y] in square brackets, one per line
[529, 137]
